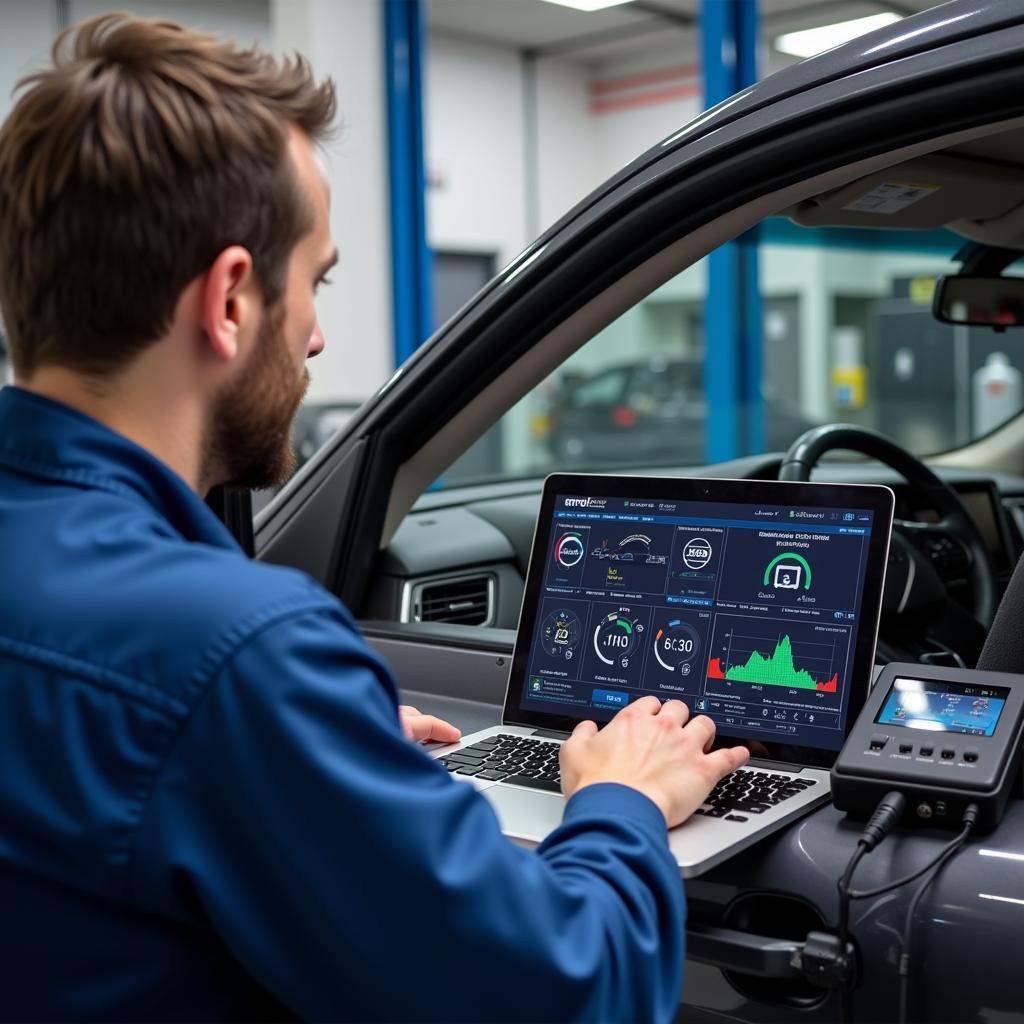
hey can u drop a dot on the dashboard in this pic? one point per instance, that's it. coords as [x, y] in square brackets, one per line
[477, 540]
[998, 521]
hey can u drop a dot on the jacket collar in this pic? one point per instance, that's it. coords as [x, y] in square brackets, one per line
[46, 439]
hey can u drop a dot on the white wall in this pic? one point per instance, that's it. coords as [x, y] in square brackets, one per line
[478, 129]
[344, 39]
[27, 28]
[477, 148]
[245, 21]
[622, 135]
[475, 156]
[569, 162]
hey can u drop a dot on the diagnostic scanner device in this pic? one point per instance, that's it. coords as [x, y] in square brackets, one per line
[943, 737]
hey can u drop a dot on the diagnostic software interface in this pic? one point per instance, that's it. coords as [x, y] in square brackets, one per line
[749, 613]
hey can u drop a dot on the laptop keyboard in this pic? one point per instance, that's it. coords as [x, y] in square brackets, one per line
[745, 792]
[522, 760]
[526, 761]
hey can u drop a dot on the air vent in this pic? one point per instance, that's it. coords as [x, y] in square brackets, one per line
[468, 600]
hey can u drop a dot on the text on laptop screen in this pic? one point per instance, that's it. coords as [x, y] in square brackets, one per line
[749, 613]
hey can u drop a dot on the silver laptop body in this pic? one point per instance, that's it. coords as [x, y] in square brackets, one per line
[636, 586]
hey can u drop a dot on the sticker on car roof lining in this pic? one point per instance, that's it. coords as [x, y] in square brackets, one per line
[891, 197]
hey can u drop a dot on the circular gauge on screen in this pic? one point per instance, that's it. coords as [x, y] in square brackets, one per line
[560, 634]
[616, 637]
[676, 646]
[569, 550]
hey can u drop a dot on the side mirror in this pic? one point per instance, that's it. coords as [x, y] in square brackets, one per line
[996, 302]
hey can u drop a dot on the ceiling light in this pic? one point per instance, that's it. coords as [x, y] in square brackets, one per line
[810, 41]
[588, 5]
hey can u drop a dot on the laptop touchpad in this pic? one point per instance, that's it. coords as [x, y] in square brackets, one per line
[525, 813]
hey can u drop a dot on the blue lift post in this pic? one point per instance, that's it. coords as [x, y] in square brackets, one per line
[411, 272]
[732, 311]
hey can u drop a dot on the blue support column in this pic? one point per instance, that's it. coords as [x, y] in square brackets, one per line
[411, 277]
[732, 312]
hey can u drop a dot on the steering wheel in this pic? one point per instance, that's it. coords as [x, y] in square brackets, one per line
[922, 556]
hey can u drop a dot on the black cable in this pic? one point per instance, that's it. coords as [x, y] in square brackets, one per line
[863, 894]
[969, 819]
[845, 895]
[845, 994]
[889, 810]
[887, 813]
[846, 1005]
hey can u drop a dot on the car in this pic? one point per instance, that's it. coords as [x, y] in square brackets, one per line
[656, 407]
[915, 131]
[315, 423]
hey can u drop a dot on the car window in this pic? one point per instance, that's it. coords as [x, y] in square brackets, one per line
[846, 334]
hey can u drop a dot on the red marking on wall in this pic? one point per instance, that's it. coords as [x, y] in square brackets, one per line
[644, 78]
[644, 99]
[644, 89]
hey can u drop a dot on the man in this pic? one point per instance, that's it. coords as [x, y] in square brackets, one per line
[208, 808]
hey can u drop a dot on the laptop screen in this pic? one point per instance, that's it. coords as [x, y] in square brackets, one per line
[746, 600]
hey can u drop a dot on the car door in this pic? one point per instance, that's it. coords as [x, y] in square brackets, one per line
[803, 133]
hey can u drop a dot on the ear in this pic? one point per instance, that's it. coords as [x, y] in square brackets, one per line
[229, 301]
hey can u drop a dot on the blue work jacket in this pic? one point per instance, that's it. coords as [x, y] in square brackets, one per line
[208, 809]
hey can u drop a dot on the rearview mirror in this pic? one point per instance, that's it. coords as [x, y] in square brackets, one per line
[996, 302]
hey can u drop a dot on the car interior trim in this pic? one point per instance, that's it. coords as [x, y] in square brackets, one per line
[455, 672]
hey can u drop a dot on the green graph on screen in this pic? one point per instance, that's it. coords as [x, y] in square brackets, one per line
[778, 669]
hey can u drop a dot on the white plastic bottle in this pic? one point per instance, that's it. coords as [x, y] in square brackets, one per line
[997, 394]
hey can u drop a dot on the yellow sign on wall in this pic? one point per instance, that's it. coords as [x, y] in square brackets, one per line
[849, 386]
[921, 290]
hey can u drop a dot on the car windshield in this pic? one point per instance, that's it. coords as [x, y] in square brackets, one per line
[846, 334]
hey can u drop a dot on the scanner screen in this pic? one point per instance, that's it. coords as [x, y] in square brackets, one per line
[936, 706]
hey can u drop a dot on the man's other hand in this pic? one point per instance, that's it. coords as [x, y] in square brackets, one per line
[655, 748]
[418, 726]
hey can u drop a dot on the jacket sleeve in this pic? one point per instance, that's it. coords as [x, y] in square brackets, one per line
[354, 879]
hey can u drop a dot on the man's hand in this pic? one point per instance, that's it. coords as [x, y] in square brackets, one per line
[654, 748]
[418, 726]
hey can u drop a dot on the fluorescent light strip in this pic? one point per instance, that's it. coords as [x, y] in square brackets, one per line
[809, 41]
[588, 5]
[1000, 899]
[1001, 853]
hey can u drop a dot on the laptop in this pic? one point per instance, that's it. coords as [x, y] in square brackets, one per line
[757, 603]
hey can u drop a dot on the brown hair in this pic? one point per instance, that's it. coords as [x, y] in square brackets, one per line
[146, 150]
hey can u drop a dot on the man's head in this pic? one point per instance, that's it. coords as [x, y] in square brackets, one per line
[157, 183]
[249, 441]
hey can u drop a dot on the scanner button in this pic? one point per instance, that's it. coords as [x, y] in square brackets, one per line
[948, 755]
[878, 741]
[927, 751]
[906, 748]
[970, 756]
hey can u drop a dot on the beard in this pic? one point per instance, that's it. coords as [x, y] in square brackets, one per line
[249, 437]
